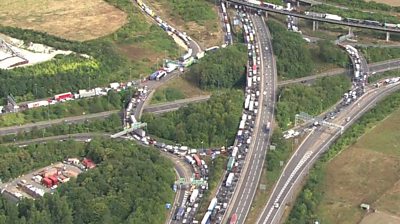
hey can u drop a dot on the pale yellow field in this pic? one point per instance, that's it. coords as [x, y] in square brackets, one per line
[380, 218]
[389, 2]
[71, 19]
[366, 172]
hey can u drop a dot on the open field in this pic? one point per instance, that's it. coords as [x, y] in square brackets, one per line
[380, 218]
[70, 19]
[179, 85]
[207, 33]
[389, 2]
[367, 172]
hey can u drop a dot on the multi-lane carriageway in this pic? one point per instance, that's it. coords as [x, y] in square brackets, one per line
[244, 193]
[313, 18]
[316, 143]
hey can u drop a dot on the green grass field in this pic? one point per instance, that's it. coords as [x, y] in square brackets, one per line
[366, 172]
[198, 18]
[175, 89]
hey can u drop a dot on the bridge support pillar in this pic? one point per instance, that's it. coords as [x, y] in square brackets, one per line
[387, 36]
[298, 4]
[315, 25]
[266, 14]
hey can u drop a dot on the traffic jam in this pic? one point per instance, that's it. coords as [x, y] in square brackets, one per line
[194, 189]
[238, 151]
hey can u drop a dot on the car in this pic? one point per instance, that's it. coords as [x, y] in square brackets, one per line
[276, 205]
[266, 48]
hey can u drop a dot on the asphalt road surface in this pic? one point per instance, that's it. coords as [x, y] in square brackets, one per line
[313, 18]
[48, 123]
[377, 67]
[312, 147]
[247, 186]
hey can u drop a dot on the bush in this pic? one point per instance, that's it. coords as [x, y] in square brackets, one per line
[377, 54]
[224, 68]
[168, 94]
[213, 122]
[312, 99]
[193, 10]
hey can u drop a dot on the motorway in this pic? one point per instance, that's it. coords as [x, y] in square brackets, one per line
[377, 67]
[303, 16]
[247, 185]
[317, 142]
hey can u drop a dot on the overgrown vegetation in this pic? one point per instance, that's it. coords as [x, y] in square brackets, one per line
[356, 14]
[294, 58]
[224, 68]
[192, 10]
[111, 124]
[362, 4]
[274, 157]
[166, 95]
[313, 99]
[213, 122]
[113, 101]
[304, 210]
[377, 54]
[70, 73]
[388, 74]
[100, 195]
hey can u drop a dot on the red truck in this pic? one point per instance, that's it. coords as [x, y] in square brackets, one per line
[47, 182]
[64, 96]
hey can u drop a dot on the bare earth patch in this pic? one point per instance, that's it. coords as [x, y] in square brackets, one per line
[380, 218]
[389, 2]
[69, 19]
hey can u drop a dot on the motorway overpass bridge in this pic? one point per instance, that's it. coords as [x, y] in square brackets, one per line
[313, 18]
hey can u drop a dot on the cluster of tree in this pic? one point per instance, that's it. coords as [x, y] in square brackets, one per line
[224, 68]
[192, 10]
[305, 208]
[329, 53]
[130, 185]
[111, 124]
[166, 95]
[380, 76]
[113, 101]
[362, 4]
[312, 99]
[377, 54]
[293, 58]
[70, 73]
[357, 14]
[213, 122]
